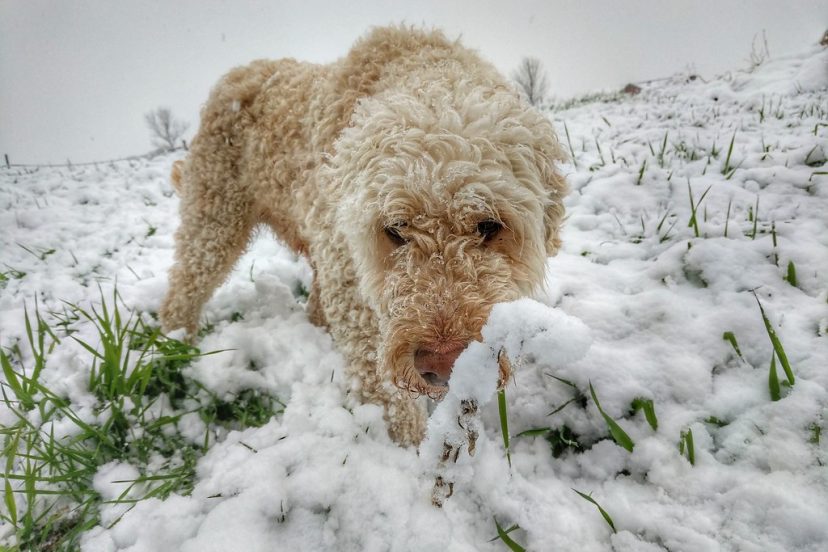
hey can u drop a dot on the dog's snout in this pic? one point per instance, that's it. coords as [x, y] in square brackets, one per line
[434, 363]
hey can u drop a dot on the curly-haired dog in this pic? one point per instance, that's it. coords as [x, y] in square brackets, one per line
[417, 182]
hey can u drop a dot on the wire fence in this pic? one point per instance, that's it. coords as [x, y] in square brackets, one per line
[68, 164]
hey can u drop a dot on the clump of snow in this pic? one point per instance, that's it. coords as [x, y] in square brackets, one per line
[116, 483]
[513, 330]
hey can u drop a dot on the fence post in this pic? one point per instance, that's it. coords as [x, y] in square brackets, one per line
[8, 165]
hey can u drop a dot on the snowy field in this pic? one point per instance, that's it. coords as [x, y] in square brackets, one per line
[692, 204]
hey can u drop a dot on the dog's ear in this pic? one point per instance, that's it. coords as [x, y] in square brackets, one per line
[553, 212]
[548, 153]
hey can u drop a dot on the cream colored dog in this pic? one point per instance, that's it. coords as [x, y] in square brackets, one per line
[417, 182]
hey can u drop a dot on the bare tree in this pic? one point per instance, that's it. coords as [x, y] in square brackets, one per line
[166, 131]
[758, 54]
[531, 78]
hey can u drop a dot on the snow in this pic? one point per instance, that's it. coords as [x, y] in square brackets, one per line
[635, 304]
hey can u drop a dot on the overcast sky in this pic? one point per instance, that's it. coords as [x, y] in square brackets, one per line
[76, 77]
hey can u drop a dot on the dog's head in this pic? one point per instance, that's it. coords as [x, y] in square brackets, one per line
[454, 204]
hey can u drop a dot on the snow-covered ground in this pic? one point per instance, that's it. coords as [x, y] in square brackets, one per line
[656, 292]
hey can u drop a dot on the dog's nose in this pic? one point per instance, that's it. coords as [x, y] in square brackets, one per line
[434, 362]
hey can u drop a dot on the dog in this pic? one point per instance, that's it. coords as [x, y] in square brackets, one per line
[419, 184]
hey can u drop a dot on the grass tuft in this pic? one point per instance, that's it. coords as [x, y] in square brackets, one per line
[47, 493]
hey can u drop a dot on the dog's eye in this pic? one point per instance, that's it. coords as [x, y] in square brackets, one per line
[488, 229]
[393, 233]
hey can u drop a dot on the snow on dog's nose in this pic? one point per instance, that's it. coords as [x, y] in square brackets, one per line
[435, 361]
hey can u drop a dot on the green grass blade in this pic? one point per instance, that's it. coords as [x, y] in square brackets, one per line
[726, 168]
[648, 407]
[791, 276]
[730, 337]
[773, 380]
[604, 513]
[564, 405]
[619, 435]
[11, 505]
[562, 380]
[691, 447]
[777, 345]
[504, 536]
[504, 423]
[534, 432]
[14, 383]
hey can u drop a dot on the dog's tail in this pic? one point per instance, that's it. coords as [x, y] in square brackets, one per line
[176, 176]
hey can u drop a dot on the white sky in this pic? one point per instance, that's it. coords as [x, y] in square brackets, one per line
[77, 76]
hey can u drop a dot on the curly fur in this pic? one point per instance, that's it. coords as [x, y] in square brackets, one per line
[409, 130]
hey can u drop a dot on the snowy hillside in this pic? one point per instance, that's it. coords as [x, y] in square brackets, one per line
[696, 208]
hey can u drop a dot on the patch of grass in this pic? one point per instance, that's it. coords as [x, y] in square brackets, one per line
[604, 514]
[10, 274]
[687, 447]
[602, 97]
[300, 291]
[52, 451]
[618, 435]
[563, 439]
[250, 408]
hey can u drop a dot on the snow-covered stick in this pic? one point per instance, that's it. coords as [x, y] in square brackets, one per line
[515, 329]
[464, 438]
